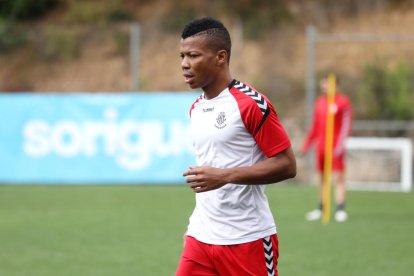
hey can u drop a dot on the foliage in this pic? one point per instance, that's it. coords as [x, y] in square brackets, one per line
[121, 41]
[25, 9]
[256, 16]
[96, 12]
[11, 37]
[60, 44]
[387, 92]
[14, 35]
[119, 14]
[77, 11]
[183, 12]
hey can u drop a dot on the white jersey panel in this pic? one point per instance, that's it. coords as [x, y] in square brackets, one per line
[233, 214]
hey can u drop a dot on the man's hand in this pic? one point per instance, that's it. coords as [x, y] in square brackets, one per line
[202, 179]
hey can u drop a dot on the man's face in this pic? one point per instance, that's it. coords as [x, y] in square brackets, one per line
[323, 84]
[198, 61]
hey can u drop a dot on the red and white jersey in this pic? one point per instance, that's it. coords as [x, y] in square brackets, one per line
[237, 128]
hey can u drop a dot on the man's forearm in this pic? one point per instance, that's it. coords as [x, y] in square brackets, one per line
[271, 170]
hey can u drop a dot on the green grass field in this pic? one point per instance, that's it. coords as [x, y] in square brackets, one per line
[137, 230]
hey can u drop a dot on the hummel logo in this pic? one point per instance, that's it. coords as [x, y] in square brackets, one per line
[208, 109]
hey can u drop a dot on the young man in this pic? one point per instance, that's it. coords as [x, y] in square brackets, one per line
[342, 128]
[240, 146]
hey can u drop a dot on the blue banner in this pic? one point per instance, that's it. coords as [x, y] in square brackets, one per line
[95, 138]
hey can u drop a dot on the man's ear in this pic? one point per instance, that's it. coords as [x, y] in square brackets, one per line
[221, 57]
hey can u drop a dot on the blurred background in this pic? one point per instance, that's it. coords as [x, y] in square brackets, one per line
[68, 66]
[280, 47]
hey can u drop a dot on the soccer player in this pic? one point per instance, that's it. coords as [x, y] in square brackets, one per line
[317, 132]
[240, 147]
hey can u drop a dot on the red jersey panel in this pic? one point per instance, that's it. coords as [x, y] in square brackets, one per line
[260, 118]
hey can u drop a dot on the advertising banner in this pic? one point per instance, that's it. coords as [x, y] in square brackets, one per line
[132, 138]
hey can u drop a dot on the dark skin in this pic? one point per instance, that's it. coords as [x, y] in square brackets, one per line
[207, 68]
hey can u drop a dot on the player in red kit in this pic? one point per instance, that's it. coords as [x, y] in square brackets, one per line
[342, 128]
[240, 146]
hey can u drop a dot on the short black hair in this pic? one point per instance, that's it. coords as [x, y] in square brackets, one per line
[215, 30]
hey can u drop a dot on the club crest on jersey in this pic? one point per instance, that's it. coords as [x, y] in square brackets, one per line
[220, 120]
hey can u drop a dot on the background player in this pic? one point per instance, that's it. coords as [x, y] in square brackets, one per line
[317, 132]
[240, 146]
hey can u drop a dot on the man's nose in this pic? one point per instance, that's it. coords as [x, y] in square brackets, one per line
[184, 63]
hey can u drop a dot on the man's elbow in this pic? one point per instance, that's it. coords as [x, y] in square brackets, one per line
[291, 171]
[291, 166]
[286, 165]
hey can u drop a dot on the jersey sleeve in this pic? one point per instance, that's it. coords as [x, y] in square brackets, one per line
[270, 135]
[312, 132]
[344, 125]
[261, 120]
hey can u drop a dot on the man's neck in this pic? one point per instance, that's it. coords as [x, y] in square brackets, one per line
[213, 91]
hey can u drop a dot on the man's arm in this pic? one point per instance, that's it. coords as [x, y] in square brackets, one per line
[345, 126]
[277, 168]
[312, 133]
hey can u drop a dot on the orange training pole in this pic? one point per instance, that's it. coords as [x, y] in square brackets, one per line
[327, 170]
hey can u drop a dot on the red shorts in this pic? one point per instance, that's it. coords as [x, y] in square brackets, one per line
[252, 258]
[338, 162]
